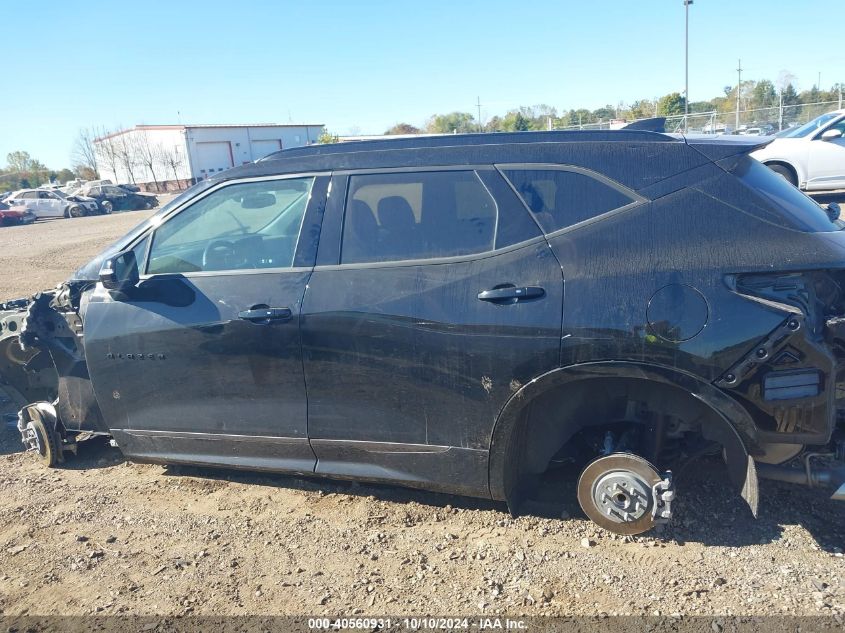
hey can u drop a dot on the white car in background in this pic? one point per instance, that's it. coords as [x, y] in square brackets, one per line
[53, 204]
[812, 156]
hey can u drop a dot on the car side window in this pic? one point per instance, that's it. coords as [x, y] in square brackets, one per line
[419, 215]
[240, 226]
[560, 198]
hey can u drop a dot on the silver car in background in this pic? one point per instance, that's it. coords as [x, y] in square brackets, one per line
[54, 204]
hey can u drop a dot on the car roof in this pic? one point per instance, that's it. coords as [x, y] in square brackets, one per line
[629, 157]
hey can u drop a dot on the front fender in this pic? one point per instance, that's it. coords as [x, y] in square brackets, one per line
[733, 427]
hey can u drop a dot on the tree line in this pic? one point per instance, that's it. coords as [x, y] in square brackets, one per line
[22, 171]
[134, 155]
[753, 95]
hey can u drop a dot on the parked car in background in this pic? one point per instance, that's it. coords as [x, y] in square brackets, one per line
[128, 187]
[54, 204]
[17, 214]
[115, 198]
[810, 156]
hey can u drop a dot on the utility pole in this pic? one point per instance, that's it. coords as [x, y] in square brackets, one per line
[478, 103]
[738, 92]
[840, 95]
[686, 64]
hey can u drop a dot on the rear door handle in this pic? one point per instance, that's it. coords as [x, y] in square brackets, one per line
[511, 294]
[265, 315]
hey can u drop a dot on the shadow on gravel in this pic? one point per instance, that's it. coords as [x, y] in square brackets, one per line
[706, 511]
[382, 492]
[93, 453]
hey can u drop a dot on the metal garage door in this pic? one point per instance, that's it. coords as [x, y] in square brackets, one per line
[213, 157]
[262, 147]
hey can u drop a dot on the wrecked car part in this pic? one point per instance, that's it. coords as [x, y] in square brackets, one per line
[38, 424]
[816, 470]
[625, 494]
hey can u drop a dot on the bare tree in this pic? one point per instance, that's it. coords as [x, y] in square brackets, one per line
[84, 155]
[173, 159]
[148, 154]
[127, 153]
[107, 151]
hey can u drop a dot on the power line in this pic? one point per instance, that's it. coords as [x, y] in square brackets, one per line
[478, 103]
[738, 92]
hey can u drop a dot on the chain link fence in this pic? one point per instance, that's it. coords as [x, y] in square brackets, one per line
[757, 121]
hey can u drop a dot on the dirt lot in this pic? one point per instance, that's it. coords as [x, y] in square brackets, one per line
[104, 536]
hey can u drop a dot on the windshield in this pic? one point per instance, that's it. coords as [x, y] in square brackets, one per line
[809, 128]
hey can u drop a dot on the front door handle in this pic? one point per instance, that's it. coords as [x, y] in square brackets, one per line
[511, 294]
[265, 315]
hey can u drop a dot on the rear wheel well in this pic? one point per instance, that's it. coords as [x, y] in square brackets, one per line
[572, 421]
[792, 172]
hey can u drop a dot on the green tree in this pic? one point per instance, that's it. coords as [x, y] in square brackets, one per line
[790, 95]
[63, 175]
[516, 121]
[494, 124]
[642, 109]
[670, 104]
[604, 114]
[764, 95]
[403, 128]
[579, 117]
[327, 137]
[454, 122]
[19, 161]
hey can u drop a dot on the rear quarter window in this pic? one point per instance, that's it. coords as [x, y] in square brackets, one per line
[776, 197]
[560, 198]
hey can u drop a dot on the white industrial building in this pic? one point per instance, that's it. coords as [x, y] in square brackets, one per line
[173, 156]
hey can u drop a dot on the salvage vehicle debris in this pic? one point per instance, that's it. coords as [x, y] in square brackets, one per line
[395, 311]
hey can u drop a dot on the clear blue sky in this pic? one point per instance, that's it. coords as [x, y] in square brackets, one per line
[367, 64]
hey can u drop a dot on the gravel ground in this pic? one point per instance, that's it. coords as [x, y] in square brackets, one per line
[105, 536]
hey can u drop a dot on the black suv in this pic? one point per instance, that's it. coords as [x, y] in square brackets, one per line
[460, 313]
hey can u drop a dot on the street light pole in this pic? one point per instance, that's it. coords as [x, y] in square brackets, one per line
[686, 65]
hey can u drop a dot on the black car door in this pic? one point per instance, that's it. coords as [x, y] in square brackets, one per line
[432, 303]
[201, 362]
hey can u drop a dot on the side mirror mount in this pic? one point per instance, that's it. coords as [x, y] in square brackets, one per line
[120, 272]
[831, 135]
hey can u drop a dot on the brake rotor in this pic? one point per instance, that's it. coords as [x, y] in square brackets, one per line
[615, 492]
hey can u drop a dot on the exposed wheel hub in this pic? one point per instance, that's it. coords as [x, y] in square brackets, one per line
[624, 493]
[32, 440]
[622, 496]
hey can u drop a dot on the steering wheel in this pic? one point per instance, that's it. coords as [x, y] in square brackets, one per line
[219, 255]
